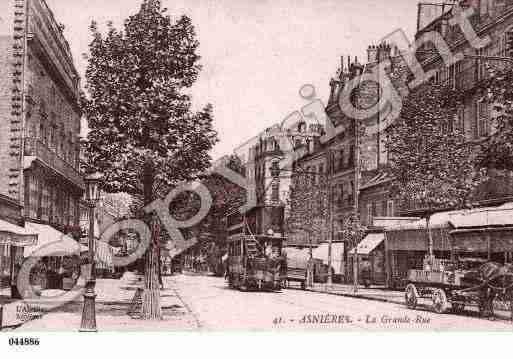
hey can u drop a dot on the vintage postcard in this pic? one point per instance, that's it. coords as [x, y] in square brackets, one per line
[237, 165]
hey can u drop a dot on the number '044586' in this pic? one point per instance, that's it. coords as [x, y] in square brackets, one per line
[23, 341]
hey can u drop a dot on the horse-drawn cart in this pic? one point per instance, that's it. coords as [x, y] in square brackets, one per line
[454, 284]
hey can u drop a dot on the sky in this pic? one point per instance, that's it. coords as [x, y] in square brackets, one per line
[256, 54]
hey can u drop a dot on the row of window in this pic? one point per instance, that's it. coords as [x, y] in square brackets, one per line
[379, 209]
[313, 175]
[44, 201]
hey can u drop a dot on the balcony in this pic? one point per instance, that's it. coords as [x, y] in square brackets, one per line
[37, 149]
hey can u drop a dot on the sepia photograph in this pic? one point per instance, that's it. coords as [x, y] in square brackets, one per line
[172, 166]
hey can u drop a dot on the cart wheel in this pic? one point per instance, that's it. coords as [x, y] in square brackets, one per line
[411, 296]
[439, 301]
[458, 307]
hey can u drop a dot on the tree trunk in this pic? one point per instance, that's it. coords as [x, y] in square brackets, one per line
[159, 259]
[151, 309]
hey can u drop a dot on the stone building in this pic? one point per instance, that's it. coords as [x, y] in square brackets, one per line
[341, 150]
[40, 116]
[40, 180]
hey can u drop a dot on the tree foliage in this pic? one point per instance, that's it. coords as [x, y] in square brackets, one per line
[137, 111]
[308, 207]
[144, 135]
[433, 164]
[226, 198]
[497, 148]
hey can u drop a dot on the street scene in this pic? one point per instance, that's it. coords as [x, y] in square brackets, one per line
[157, 175]
[194, 303]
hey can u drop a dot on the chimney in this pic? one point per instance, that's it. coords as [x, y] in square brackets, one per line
[396, 51]
[372, 53]
[384, 51]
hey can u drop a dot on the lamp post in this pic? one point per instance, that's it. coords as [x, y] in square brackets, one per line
[88, 323]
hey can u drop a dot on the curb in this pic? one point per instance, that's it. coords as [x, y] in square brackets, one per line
[357, 296]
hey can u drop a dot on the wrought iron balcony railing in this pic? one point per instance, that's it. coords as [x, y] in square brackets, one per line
[36, 148]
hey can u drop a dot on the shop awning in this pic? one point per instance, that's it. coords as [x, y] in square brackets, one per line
[337, 255]
[297, 258]
[417, 239]
[495, 217]
[369, 243]
[11, 234]
[52, 243]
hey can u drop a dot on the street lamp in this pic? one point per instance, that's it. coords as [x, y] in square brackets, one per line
[88, 324]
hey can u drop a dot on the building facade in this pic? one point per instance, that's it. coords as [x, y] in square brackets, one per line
[40, 179]
[40, 117]
[492, 20]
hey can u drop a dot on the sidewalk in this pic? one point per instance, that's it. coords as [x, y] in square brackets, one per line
[112, 304]
[390, 296]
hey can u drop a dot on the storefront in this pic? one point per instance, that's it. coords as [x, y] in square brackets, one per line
[406, 246]
[60, 258]
[371, 259]
[486, 234]
[13, 240]
[482, 234]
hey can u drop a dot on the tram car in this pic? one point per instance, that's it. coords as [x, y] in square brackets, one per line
[255, 249]
[256, 262]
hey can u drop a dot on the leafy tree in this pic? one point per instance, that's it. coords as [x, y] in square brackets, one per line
[226, 198]
[497, 148]
[308, 206]
[144, 136]
[433, 164]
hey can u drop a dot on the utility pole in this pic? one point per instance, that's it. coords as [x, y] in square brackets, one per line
[356, 221]
[330, 216]
[357, 169]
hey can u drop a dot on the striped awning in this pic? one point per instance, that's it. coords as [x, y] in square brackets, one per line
[369, 243]
[11, 234]
[52, 243]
